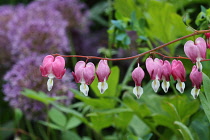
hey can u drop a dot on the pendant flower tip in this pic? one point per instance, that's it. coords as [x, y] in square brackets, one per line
[138, 75]
[52, 67]
[196, 79]
[103, 71]
[179, 73]
[196, 51]
[84, 74]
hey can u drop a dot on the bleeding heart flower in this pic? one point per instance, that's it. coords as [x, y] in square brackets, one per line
[84, 74]
[103, 72]
[154, 68]
[196, 78]
[165, 76]
[179, 74]
[196, 51]
[138, 75]
[52, 67]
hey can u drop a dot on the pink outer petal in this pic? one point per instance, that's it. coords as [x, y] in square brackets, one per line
[196, 77]
[58, 67]
[154, 67]
[191, 50]
[166, 70]
[201, 44]
[138, 75]
[89, 73]
[103, 70]
[46, 67]
[178, 70]
[78, 71]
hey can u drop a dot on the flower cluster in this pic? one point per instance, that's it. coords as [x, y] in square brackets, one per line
[158, 69]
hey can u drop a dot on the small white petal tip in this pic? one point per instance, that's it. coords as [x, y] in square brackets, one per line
[84, 89]
[165, 85]
[180, 86]
[195, 92]
[155, 85]
[49, 84]
[138, 91]
[102, 86]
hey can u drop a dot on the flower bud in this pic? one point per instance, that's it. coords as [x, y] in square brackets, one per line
[84, 74]
[196, 51]
[179, 74]
[103, 72]
[138, 75]
[52, 67]
[196, 79]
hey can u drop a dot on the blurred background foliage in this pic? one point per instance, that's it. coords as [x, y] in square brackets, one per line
[107, 28]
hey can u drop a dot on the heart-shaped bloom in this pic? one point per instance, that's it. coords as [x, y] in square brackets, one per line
[196, 79]
[196, 51]
[165, 76]
[138, 75]
[207, 40]
[84, 74]
[103, 71]
[154, 68]
[179, 74]
[52, 67]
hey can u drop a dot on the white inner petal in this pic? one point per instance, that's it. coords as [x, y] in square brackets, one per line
[199, 66]
[84, 89]
[180, 86]
[155, 85]
[102, 86]
[138, 91]
[165, 85]
[195, 92]
[49, 84]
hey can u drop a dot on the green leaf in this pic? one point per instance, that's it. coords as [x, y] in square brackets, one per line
[101, 121]
[41, 96]
[51, 125]
[184, 131]
[57, 117]
[205, 97]
[67, 135]
[73, 122]
[112, 84]
[71, 111]
[18, 116]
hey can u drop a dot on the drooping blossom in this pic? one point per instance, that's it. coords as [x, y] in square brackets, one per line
[179, 74]
[207, 40]
[138, 75]
[196, 79]
[84, 74]
[41, 30]
[196, 51]
[25, 74]
[52, 67]
[155, 71]
[103, 71]
[165, 75]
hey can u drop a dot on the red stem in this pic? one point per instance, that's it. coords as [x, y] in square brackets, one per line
[141, 54]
